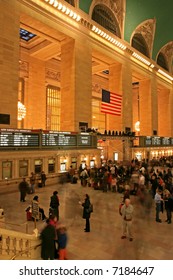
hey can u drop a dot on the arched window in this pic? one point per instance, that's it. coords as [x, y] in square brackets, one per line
[103, 16]
[138, 42]
[162, 61]
[71, 2]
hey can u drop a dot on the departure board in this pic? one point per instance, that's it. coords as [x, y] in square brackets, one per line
[84, 140]
[58, 139]
[148, 141]
[166, 141]
[18, 139]
[156, 141]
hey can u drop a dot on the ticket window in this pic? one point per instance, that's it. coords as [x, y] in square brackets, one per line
[63, 167]
[115, 156]
[92, 163]
[6, 170]
[51, 166]
[83, 163]
[74, 163]
[38, 166]
[23, 168]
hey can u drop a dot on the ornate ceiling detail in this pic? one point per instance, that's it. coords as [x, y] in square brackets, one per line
[117, 8]
[147, 30]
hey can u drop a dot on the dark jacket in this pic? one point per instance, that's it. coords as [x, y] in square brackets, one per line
[54, 201]
[86, 205]
[48, 236]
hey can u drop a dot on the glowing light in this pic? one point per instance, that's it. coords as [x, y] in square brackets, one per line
[21, 111]
[137, 126]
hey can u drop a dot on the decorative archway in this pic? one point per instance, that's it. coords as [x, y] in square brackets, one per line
[167, 53]
[115, 8]
[147, 31]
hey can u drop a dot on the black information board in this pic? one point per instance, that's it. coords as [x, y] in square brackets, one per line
[18, 139]
[156, 141]
[58, 139]
[166, 141]
[148, 141]
[84, 140]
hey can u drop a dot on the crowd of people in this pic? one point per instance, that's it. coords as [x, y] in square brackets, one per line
[150, 181]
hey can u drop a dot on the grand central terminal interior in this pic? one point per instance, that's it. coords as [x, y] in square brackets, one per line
[83, 83]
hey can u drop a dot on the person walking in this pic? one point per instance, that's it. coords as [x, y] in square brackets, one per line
[54, 204]
[86, 212]
[43, 178]
[32, 182]
[23, 188]
[158, 201]
[126, 212]
[62, 242]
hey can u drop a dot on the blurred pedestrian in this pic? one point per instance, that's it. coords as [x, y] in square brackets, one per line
[23, 188]
[32, 182]
[48, 235]
[54, 204]
[62, 242]
[43, 178]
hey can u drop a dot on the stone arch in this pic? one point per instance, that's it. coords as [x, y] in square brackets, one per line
[72, 2]
[138, 42]
[147, 30]
[115, 9]
[167, 53]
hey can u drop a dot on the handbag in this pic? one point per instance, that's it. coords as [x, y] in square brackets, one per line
[90, 209]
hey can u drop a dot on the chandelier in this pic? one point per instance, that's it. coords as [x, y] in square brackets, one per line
[21, 111]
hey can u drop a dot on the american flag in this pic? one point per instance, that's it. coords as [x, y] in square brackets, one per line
[111, 103]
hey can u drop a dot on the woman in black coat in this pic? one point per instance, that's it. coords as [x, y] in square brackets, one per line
[48, 236]
[86, 212]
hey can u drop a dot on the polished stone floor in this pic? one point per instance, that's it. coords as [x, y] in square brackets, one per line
[152, 241]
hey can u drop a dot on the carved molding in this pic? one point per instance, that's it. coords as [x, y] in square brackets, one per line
[52, 74]
[96, 87]
[147, 30]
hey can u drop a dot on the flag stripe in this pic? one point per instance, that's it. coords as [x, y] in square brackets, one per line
[111, 103]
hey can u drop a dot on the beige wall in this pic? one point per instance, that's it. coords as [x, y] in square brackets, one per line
[9, 59]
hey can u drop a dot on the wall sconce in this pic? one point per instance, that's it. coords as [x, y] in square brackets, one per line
[137, 126]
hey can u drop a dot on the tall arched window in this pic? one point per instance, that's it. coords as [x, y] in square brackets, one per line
[71, 2]
[162, 61]
[104, 16]
[138, 42]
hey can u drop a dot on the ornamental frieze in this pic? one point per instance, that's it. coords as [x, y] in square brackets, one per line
[52, 74]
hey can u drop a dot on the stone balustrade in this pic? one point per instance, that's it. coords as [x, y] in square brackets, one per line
[19, 245]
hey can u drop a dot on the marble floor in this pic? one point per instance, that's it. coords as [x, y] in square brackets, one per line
[152, 241]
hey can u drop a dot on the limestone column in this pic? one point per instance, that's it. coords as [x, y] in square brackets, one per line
[154, 105]
[114, 122]
[76, 84]
[164, 109]
[35, 95]
[145, 108]
[9, 59]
